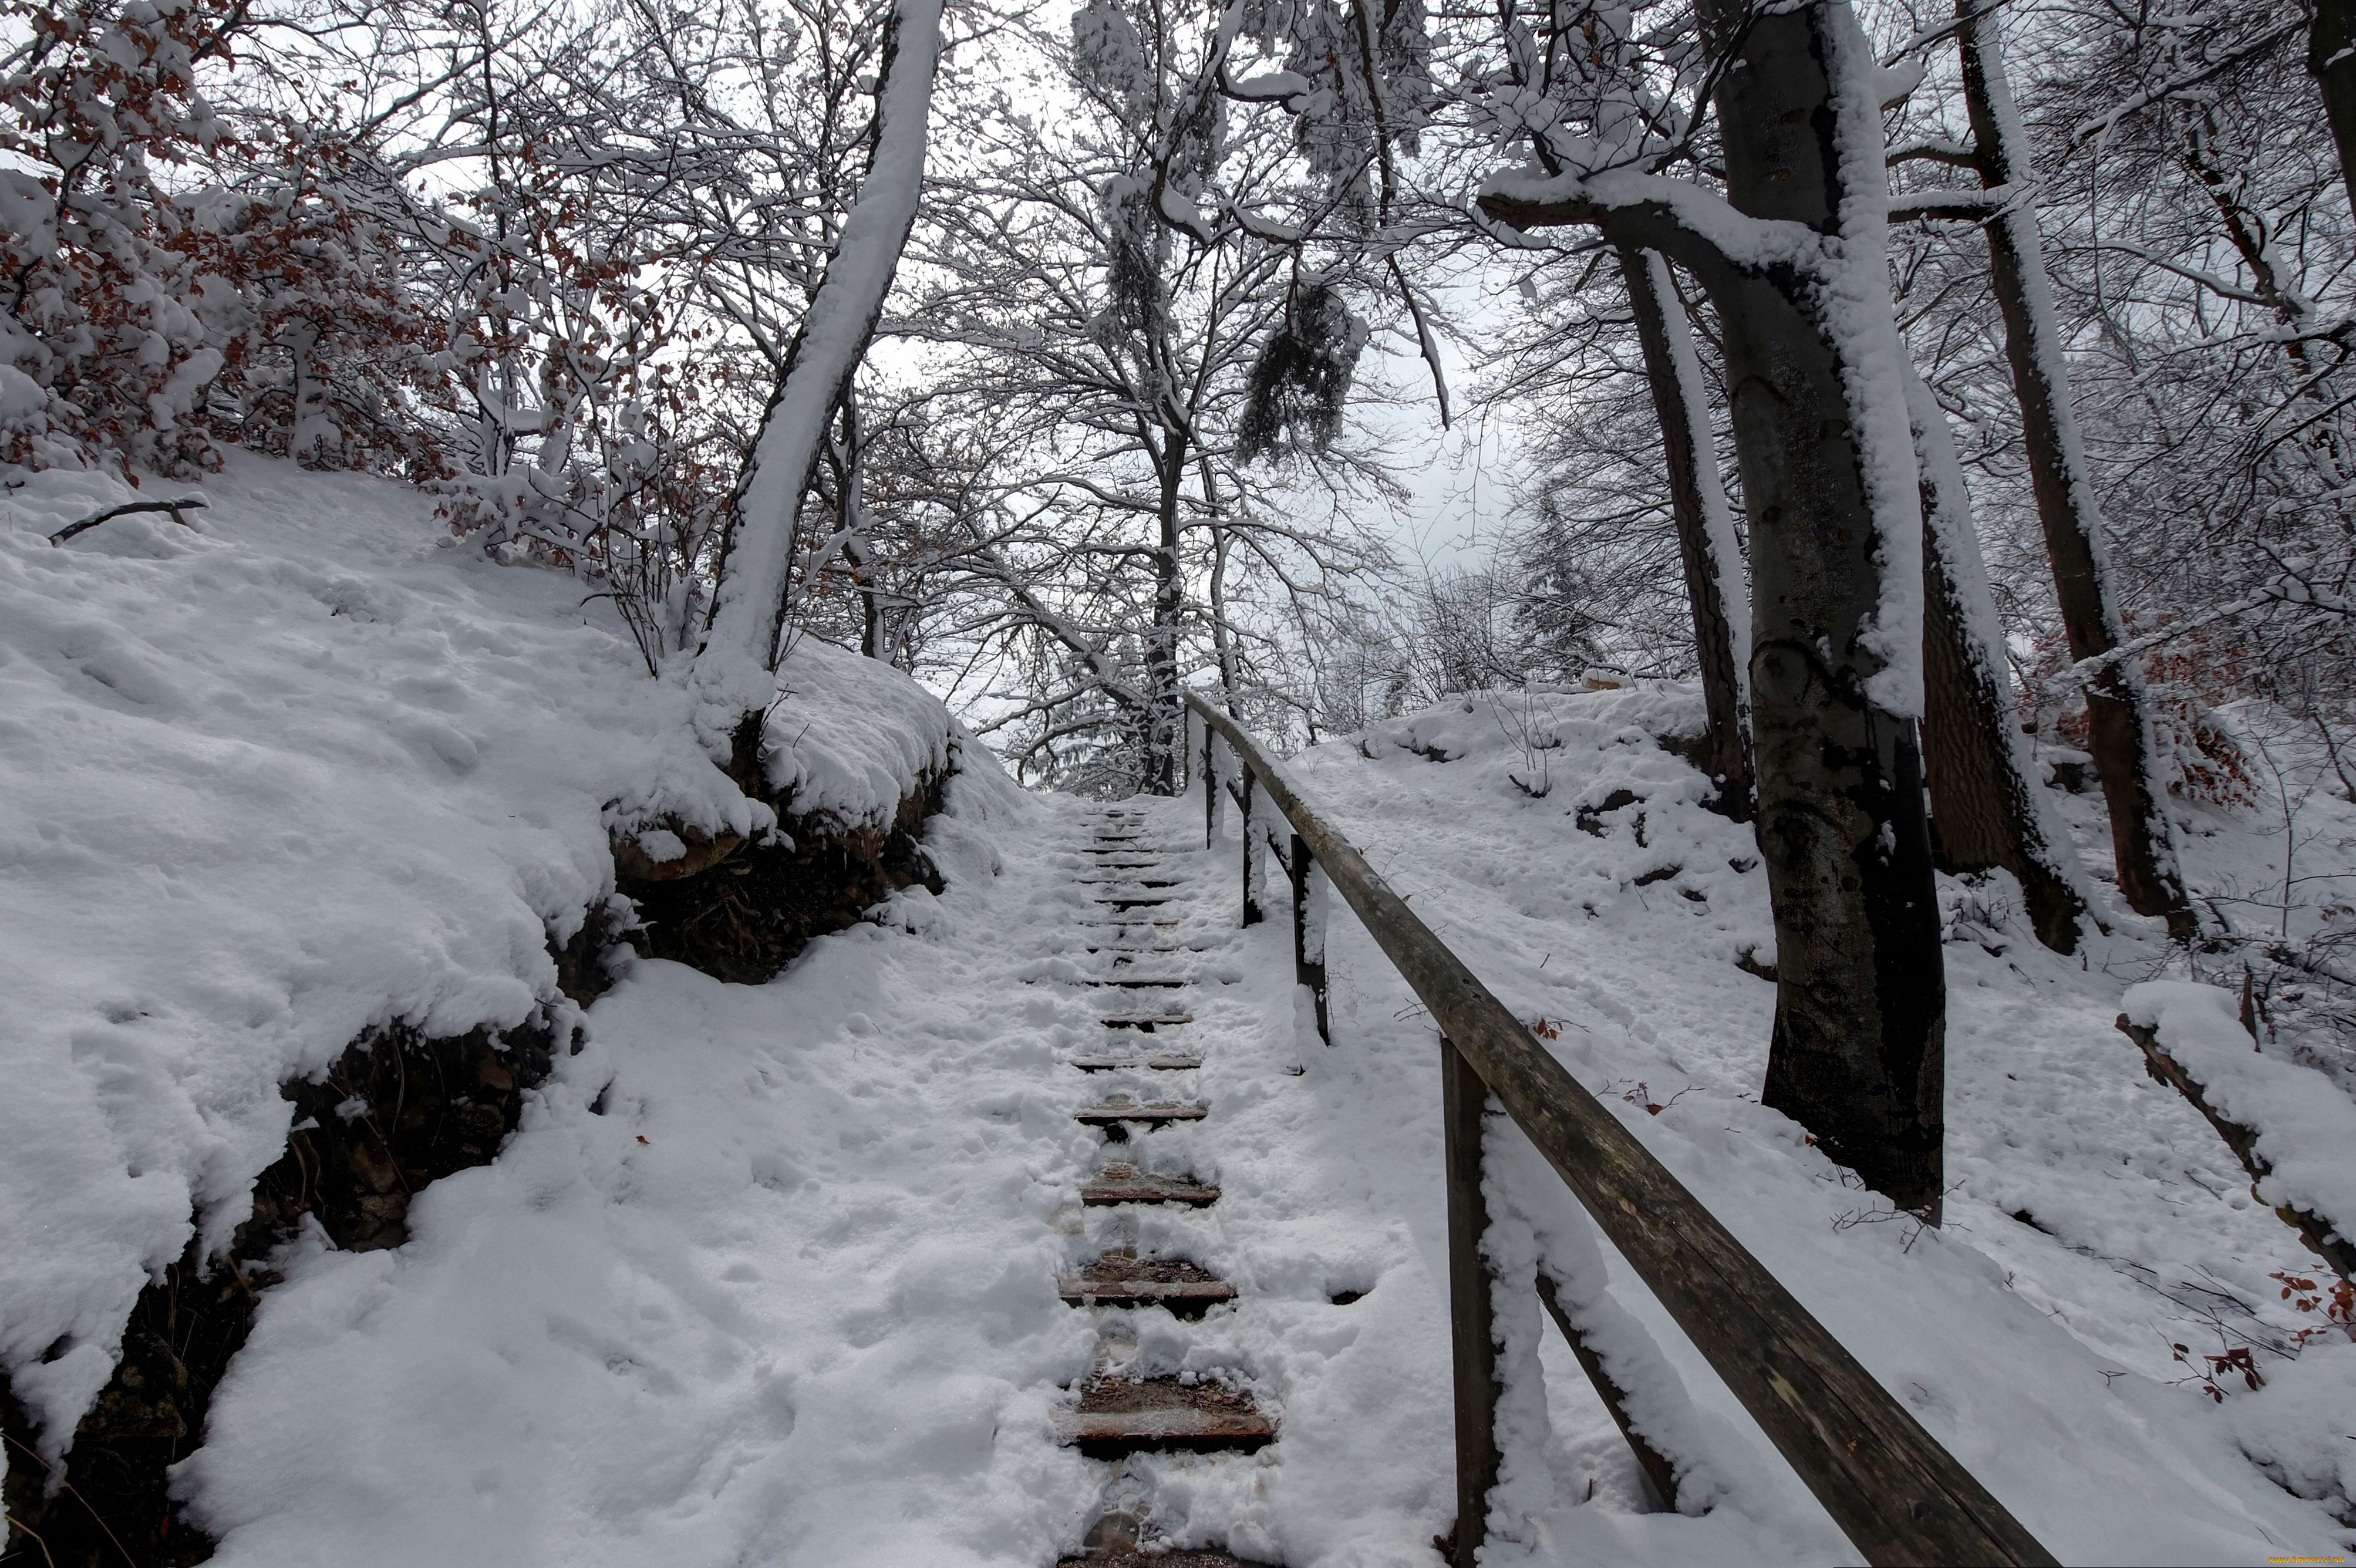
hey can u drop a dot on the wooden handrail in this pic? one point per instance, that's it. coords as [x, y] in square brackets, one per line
[1898, 1494]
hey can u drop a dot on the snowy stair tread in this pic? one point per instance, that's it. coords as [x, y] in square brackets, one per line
[1154, 1061]
[1120, 1279]
[1124, 1183]
[1129, 1557]
[1117, 1415]
[1116, 1108]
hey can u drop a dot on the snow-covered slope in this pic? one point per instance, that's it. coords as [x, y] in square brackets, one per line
[810, 1318]
[2094, 1221]
[266, 782]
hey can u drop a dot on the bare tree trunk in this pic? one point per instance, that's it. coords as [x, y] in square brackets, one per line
[1829, 486]
[2124, 749]
[2331, 58]
[1859, 1049]
[1986, 811]
[1706, 542]
[1222, 639]
[735, 669]
[1165, 729]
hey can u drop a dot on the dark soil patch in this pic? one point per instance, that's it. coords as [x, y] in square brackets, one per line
[396, 1112]
[746, 916]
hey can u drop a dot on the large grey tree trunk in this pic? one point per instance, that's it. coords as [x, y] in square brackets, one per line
[1829, 486]
[2124, 749]
[1859, 1049]
[1987, 811]
[1706, 542]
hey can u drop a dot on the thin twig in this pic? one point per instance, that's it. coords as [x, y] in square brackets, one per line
[185, 504]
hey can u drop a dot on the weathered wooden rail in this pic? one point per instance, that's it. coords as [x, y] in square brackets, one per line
[1898, 1494]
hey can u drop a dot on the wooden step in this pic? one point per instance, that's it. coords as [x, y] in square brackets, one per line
[1158, 1061]
[1122, 1279]
[1120, 904]
[1142, 983]
[1116, 1108]
[1130, 1557]
[1123, 1183]
[1115, 1416]
[1145, 1023]
[1127, 883]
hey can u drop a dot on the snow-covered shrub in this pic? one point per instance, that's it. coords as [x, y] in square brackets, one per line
[2188, 680]
[106, 353]
[175, 286]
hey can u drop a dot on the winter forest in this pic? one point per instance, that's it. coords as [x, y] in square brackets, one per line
[1317, 784]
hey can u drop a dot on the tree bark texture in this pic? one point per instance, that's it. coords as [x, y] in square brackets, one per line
[1859, 1049]
[1164, 724]
[1986, 811]
[2331, 58]
[1714, 584]
[2124, 749]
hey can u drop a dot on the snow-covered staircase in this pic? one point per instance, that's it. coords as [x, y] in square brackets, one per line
[1146, 1016]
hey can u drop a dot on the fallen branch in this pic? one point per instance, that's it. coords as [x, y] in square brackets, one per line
[185, 504]
[2316, 1231]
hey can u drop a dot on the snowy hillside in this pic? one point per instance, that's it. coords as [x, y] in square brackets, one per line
[812, 1318]
[294, 771]
[2094, 1223]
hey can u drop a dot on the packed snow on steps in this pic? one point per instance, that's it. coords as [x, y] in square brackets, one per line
[274, 776]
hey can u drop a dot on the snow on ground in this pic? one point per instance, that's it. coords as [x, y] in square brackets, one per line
[2096, 1222]
[811, 1317]
[272, 779]
[767, 1274]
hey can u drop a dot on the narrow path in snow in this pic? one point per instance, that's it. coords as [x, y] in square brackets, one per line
[1147, 1067]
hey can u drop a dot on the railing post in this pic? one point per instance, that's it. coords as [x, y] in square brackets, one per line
[1210, 788]
[1311, 893]
[1255, 857]
[1464, 1103]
